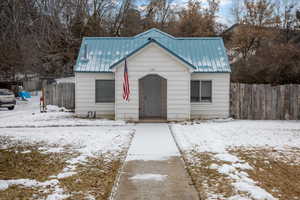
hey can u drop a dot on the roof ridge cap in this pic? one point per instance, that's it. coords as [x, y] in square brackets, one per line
[199, 38]
[154, 29]
[98, 38]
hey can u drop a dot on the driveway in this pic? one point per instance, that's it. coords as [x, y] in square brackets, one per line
[153, 168]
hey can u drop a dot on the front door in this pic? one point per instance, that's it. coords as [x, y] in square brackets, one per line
[152, 97]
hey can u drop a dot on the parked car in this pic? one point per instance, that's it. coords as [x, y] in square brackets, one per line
[7, 99]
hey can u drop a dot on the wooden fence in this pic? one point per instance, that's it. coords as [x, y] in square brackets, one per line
[252, 101]
[62, 95]
[247, 101]
[32, 85]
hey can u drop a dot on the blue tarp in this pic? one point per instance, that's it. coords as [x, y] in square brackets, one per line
[24, 94]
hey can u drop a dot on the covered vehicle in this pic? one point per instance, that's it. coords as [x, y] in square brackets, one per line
[7, 99]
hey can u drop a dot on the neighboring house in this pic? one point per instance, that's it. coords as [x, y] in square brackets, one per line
[170, 78]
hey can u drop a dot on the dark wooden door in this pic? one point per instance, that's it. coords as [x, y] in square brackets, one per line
[152, 97]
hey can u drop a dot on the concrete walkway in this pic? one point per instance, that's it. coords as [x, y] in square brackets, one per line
[153, 169]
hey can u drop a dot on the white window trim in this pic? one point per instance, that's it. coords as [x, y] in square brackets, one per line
[212, 96]
[112, 102]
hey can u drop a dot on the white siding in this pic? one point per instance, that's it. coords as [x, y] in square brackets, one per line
[154, 60]
[85, 95]
[219, 108]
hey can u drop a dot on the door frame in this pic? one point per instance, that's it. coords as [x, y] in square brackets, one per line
[163, 96]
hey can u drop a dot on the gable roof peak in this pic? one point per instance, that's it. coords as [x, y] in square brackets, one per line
[152, 33]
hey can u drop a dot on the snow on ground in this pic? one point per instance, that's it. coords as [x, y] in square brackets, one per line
[57, 129]
[27, 114]
[152, 142]
[87, 141]
[58, 194]
[154, 177]
[218, 137]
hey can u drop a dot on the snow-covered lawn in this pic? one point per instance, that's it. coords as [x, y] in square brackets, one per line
[27, 114]
[55, 155]
[242, 159]
[87, 159]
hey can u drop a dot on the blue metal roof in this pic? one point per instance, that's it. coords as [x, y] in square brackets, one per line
[202, 54]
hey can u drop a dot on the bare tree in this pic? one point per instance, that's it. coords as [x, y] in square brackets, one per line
[262, 40]
[44, 36]
[196, 20]
[118, 18]
[287, 15]
[254, 27]
[237, 10]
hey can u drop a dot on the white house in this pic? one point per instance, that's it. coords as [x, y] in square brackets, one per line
[169, 78]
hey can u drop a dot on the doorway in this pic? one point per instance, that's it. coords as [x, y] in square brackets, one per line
[152, 97]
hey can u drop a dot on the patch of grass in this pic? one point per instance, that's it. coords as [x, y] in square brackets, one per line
[21, 193]
[208, 180]
[20, 160]
[32, 164]
[95, 177]
[26, 161]
[276, 171]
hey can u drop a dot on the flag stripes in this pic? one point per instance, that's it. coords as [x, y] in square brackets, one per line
[126, 89]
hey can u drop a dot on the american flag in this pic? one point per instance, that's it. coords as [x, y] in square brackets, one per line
[126, 90]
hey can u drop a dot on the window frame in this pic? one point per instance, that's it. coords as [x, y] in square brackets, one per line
[99, 102]
[201, 101]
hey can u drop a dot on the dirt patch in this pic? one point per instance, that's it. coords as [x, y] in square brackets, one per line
[26, 161]
[31, 165]
[278, 172]
[17, 192]
[94, 177]
[29, 162]
[35, 171]
[206, 179]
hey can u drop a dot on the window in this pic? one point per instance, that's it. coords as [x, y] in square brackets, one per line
[195, 91]
[201, 91]
[206, 91]
[105, 91]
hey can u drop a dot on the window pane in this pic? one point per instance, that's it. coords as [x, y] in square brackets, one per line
[206, 91]
[105, 90]
[195, 91]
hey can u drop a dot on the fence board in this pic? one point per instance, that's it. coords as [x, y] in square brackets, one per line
[61, 94]
[32, 85]
[252, 101]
